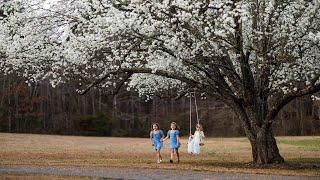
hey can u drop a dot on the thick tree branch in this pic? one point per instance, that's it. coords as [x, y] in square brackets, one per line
[98, 81]
[247, 75]
[130, 71]
[310, 89]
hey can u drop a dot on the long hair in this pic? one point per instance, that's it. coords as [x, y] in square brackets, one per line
[155, 124]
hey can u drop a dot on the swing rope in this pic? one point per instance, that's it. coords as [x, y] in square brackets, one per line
[190, 118]
[196, 106]
[195, 103]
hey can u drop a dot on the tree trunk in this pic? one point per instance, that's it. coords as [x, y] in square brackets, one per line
[10, 122]
[301, 116]
[263, 144]
[9, 106]
[265, 149]
[100, 100]
[93, 102]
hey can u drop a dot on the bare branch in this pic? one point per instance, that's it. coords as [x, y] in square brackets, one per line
[310, 89]
[130, 71]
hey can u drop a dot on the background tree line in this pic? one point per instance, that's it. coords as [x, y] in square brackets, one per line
[43, 109]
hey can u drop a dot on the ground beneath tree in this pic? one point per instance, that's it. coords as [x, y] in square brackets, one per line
[130, 173]
[223, 155]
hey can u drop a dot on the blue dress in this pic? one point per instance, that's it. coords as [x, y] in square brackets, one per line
[172, 134]
[156, 137]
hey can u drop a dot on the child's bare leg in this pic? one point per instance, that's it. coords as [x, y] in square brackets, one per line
[158, 154]
[160, 157]
[171, 156]
[178, 156]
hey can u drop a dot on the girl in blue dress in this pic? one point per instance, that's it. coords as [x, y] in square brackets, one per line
[174, 141]
[156, 137]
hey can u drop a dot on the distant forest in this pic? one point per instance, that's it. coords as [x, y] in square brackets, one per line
[43, 109]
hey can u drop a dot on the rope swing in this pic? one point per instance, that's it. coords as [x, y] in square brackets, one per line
[196, 140]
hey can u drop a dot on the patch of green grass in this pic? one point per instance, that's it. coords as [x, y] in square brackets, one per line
[304, 142]
[305, 160]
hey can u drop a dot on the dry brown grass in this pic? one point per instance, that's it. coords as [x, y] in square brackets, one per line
[218, 154]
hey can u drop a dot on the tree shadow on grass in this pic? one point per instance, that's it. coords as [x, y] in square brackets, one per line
[290, 164]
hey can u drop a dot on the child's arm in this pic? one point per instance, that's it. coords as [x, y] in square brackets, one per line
[166, 137]
[202, 134]
[151, 141]
[162, 137]
[151, 137]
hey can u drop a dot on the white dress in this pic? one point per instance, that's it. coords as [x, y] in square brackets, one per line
[194, 142]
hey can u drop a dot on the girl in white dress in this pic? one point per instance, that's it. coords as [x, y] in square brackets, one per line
[196, 140]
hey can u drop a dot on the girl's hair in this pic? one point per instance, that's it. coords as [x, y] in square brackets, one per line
[155, 124]
[174, 123]
[199, 126]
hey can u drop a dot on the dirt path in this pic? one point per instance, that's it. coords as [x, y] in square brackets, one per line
[126, 173]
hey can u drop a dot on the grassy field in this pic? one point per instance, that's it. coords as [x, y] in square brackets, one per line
[11, 176]
[302, 154]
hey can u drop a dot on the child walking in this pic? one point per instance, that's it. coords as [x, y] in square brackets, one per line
[156, 137]
[173, 134]
[196, 140]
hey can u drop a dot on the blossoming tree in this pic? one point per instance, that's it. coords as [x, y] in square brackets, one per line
[255, 56]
